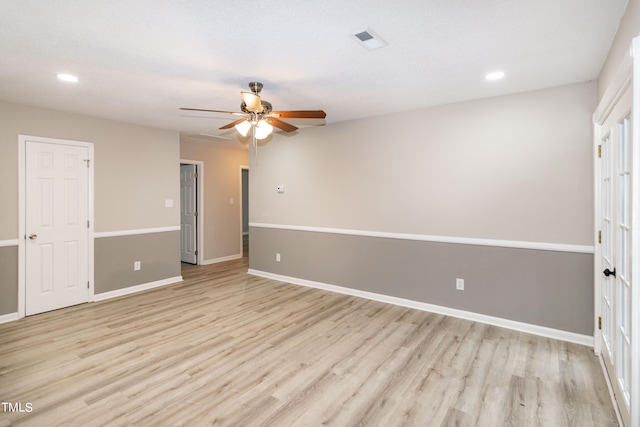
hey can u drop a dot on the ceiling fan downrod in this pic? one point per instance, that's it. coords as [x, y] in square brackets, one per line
[255, 87]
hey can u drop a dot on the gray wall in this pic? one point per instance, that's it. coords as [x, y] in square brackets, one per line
[136, 167]
[539, 287]
[628, 29]
[8, 280]
[136, 170]
[515, 168]
[115, 256]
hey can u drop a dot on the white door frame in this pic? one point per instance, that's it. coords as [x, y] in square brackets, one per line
[597, 256]
[242, 167]
[199, 207]
[22, 200]
[627, 74]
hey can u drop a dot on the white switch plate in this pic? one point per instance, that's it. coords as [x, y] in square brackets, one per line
[280, 188]
[168, 203]
[460, 284]
[136, 266]
[278, 257]
[231, 201]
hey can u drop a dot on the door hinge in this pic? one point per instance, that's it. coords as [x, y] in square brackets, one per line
[195, 213]
[599, 322]
[88, 285]
[599, 150]
[599, 236]
[195, 175]
[87, 160]
[88, 226]
[195, 253]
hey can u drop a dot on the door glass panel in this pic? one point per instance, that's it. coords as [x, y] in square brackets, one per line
[607, 244]
[623, 267]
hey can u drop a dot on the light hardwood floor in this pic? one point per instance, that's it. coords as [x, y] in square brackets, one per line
[225, 348]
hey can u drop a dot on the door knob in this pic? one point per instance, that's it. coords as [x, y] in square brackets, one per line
[33, 236]
[608, 272]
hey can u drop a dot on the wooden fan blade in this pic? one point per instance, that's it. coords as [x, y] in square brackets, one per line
[232, 124]
[300, 114]
[214, 111]
[281, 125]
[252, 101]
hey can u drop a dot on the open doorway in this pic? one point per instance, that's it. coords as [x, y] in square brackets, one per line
[244, 171]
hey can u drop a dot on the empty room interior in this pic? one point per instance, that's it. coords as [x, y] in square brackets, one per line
[412, 213]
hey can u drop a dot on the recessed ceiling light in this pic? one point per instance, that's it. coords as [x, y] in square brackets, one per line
[494, 76]
[68, 77]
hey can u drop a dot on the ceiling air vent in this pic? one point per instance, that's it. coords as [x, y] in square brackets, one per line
[368, 39]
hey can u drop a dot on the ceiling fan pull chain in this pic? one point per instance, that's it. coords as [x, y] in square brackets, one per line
[253, 138]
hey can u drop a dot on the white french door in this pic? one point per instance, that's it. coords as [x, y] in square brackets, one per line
[56, 225]
[617, 337]
[607, 253]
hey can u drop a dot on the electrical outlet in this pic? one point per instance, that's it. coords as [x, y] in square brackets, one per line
[136, 266]
[277, 257]
[460, 284]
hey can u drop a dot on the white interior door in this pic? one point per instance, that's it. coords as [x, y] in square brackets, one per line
[56, 225]
[616, 251]
[188, 213]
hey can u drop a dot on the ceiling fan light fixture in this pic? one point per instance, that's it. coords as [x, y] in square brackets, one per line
[243, 127]
[252, 102]
[258, 115]
[263, 129]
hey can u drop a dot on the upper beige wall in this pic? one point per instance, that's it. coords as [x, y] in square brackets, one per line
[516, 167]
[628, 29]
[222, 182]
[136, 167]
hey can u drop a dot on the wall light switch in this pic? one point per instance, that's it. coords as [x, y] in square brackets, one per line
[280, 188]
[460, 284]
[231, 201]
[136, 266]
[168, 203]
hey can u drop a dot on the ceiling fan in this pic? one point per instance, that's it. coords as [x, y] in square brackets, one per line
[258, 115]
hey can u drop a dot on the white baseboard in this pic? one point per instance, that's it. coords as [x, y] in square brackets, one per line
[112, 294]
[222, 259]
[9, 317]
[468, 315]
[138, 288]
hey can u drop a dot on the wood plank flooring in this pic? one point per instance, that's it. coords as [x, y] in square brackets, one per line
[227, 349]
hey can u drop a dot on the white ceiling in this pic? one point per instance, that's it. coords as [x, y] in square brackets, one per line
[138, 61]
